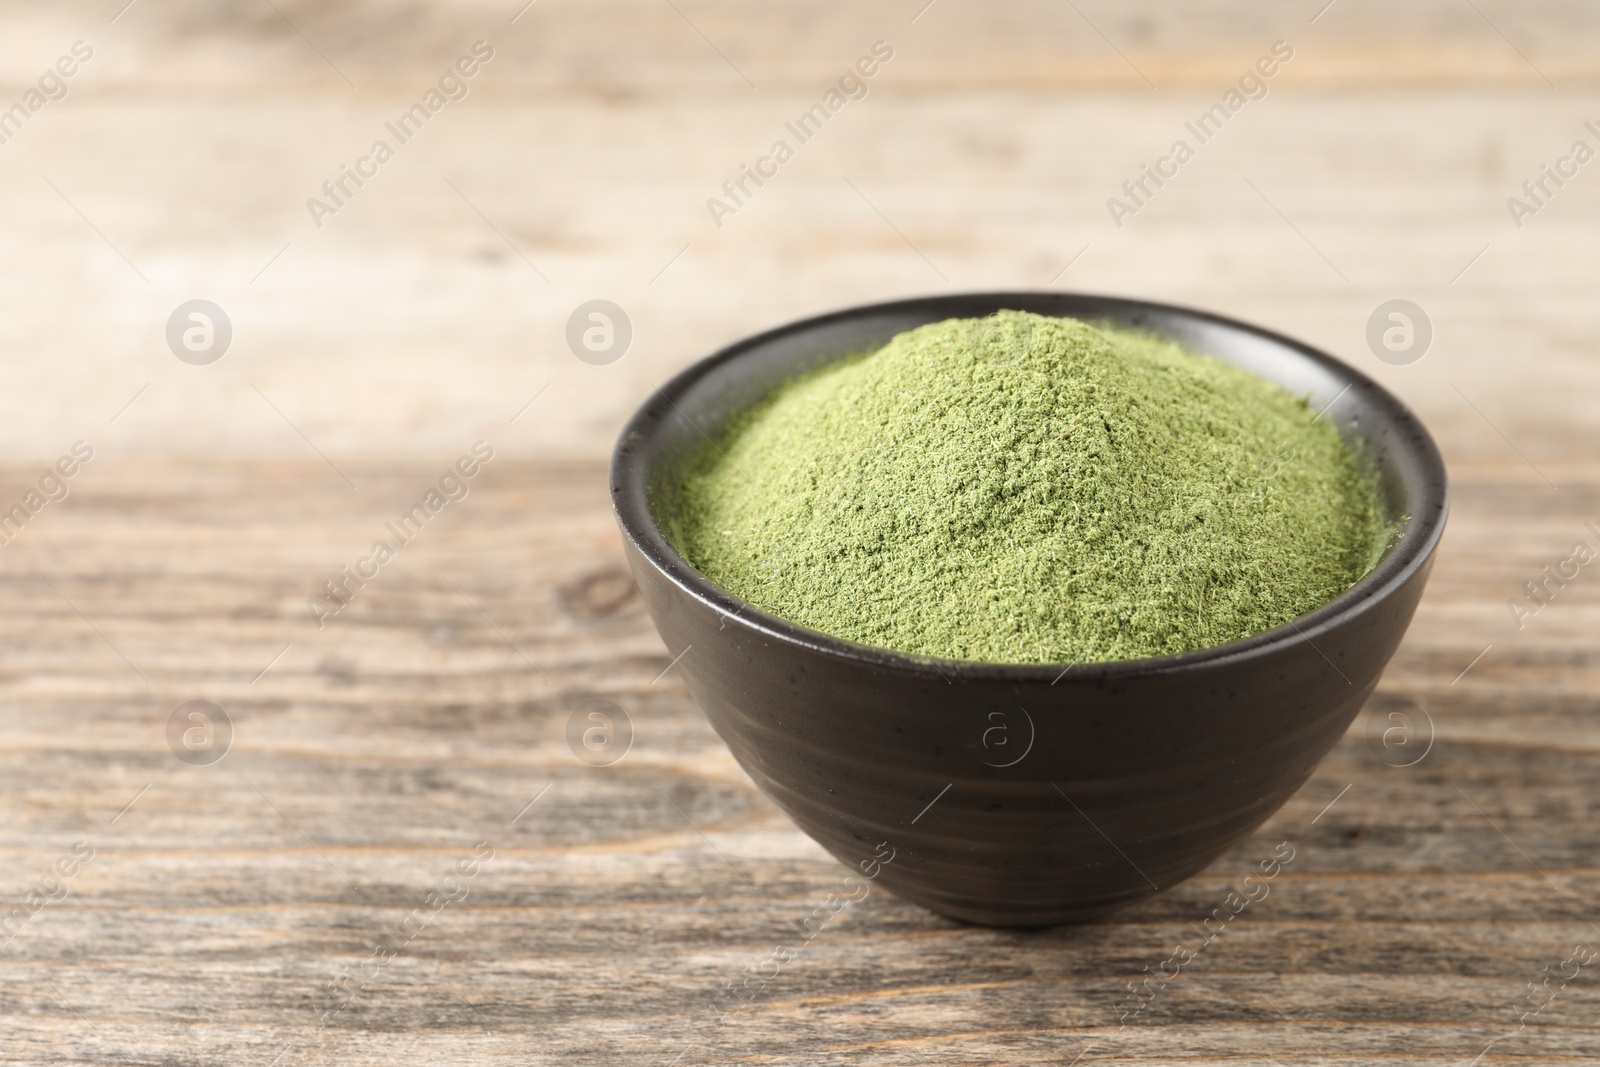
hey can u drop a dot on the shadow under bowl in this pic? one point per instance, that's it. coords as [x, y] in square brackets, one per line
[1016, 795]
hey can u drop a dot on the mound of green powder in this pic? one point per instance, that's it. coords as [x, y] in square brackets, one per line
[1024, 489]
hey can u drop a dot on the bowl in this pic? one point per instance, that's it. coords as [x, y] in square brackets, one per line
[1024, 795]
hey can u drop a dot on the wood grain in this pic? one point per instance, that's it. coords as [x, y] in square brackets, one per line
[222, 908]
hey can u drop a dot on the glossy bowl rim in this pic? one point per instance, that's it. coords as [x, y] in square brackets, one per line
[1409, 553]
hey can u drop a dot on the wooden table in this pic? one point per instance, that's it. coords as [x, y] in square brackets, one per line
[224, 905]
[400, 780]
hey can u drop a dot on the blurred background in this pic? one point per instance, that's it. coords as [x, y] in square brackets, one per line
[350, 354]
[578, 167]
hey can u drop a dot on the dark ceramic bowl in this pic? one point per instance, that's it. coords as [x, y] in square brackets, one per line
[1024, 795]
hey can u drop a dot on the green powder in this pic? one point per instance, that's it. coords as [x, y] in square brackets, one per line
[1023, 489]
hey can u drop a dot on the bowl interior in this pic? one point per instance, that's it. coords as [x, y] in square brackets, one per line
[696, 407]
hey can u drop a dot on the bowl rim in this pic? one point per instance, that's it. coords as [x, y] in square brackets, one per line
[1409, 553]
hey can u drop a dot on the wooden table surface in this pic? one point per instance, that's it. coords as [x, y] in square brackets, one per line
[400, 781]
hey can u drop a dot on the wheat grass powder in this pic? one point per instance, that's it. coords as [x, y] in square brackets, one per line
[1027, 489]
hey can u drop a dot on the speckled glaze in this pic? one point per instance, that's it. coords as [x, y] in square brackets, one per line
[1025, 795]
